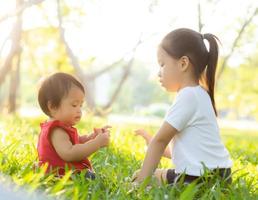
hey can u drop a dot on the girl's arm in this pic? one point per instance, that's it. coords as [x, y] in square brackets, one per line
[155, 150]
[148, 137]
[69, 152]
[86, 138]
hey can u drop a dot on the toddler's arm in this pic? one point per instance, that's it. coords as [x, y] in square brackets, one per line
[148, 137]
[96, 131]
[69, 152]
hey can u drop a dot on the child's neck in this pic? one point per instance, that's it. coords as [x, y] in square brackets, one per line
[54, 119]
[188, 83]
[50, 119]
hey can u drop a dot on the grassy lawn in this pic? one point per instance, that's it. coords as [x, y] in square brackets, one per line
[116, 164]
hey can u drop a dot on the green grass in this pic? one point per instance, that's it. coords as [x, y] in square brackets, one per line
[116, 164]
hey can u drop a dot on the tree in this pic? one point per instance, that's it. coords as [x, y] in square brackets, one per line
[64, 56]
[89, 79]
[240, 33]
[12, 62]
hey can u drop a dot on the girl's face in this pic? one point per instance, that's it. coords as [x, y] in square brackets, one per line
[170, 73]
[69, 110]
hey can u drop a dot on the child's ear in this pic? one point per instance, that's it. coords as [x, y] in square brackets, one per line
[184, 62]
[50, 107]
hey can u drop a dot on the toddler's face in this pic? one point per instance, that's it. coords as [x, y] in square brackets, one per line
[169, 74]
[69, 110]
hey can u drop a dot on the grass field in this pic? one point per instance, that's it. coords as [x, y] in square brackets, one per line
[116, 164]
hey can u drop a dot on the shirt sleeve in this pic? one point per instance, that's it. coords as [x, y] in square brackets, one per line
[183, 110]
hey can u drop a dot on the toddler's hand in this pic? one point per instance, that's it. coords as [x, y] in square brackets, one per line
[97, 131]
[101, 130]
[106, 128]
[92, 135]
[103, 138]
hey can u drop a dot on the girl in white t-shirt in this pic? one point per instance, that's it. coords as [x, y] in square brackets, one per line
[190, 126]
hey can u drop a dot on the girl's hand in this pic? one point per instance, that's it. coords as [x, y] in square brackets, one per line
[97, 131]
[92, 135]
[136, 179]
[105, 128]
[141, 132]
[135, 175]
[101, 130]
[103, 138]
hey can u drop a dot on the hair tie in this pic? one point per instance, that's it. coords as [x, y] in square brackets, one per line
[207, 49]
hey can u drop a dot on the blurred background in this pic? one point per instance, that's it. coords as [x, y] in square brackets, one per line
[111, 47]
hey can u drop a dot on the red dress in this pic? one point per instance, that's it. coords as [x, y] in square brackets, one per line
[47, 153]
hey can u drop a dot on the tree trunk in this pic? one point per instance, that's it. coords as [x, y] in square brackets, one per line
[200, 24]
[14, 83]
[126, 73]
[15, 47]
[19, 9]
[89, 87]
[15, 61]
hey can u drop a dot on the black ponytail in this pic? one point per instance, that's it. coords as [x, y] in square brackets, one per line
[210, 71]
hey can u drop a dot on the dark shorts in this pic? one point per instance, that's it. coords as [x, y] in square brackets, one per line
[173, 177]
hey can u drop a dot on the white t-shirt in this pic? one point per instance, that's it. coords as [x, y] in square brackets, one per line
[198, 140]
